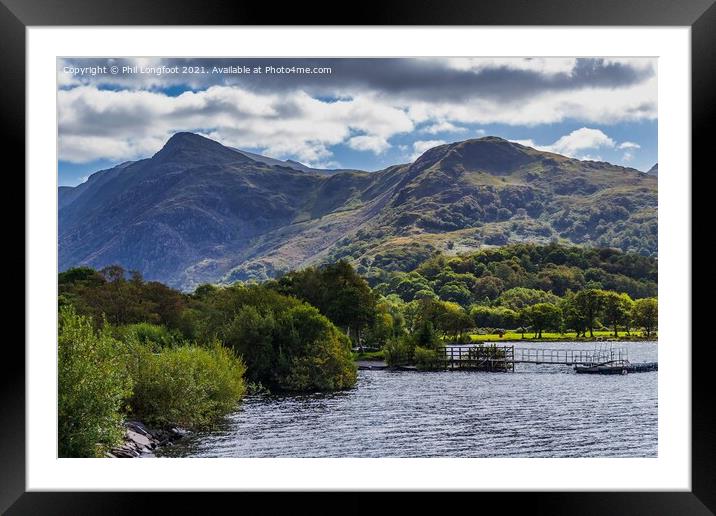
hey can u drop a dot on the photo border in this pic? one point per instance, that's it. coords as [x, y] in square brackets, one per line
[700, 15]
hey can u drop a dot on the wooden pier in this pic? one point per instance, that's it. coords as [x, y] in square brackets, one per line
[570, 357]
[501, 357]
[482, 357]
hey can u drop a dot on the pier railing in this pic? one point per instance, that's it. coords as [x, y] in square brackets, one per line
[493, 357]
[569, 356]
[481, 357]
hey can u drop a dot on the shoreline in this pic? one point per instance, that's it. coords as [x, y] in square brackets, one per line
[142, 441]
[563, 339]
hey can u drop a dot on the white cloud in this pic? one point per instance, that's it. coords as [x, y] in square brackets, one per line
[375, 144]
[444, 127]
[628, 156]
[573, 143]
[543, 65]
[420, 146]
[580, 139]
[589, 105]
[83, 148]
[123, 125]
[129, 124]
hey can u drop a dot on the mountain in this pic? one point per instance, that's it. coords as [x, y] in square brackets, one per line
[654, 171]
[199, 212]
[289, 163]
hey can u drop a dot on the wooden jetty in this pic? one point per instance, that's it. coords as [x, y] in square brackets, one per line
[494, 357]
[481, 357]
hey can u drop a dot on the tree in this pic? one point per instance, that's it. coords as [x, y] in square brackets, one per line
[412, 315]
[572, 317]
[252, 335]
[617, 309]
[520, 297]
[110, 294]
[487, 287]
[627, 306]
[426, 337]
[285, 342]
[315, 354]
[588, 304]
[455, 292]
[543, 316]
[454, 320]
[383, 327]
[337, 291]
[645, 314]
[494, 317]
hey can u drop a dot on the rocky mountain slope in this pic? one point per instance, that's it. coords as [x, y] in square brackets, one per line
[199, 212]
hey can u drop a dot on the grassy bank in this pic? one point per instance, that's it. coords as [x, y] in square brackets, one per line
[368, 355]
[599, 336]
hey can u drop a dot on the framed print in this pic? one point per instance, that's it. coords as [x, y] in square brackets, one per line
[427, 251]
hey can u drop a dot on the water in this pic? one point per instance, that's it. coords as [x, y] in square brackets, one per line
[538, 411]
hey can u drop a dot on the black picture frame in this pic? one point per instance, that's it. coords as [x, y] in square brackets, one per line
[700, 15]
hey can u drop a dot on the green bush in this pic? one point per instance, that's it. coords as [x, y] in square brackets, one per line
[425, 359]
[398, 351]
[156, 337]
[286, 343]
[314, 355]
[251, 334]
[188, 386]
[92, 385]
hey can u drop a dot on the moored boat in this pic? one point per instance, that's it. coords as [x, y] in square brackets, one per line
[610, 367]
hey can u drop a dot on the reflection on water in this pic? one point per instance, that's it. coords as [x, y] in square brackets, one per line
[538, 411]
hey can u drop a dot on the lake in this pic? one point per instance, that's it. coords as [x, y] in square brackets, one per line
[537, 411]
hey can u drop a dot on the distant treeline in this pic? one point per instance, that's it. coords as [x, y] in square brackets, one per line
[528, 287]
[482, 277]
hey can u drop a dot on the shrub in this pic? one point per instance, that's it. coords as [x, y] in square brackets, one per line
[154, 336]
[92, 385]
[251, 334]
[425, 359]
[286, 343]
[426, 336]
[188, 386]
[398, 351]
[314, 355]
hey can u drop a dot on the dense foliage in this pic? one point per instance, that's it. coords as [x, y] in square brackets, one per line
[190, 386]
[109, 374]
[286, 343]
[521, 274]
[120, 297]
[337, 291]
[92, 386]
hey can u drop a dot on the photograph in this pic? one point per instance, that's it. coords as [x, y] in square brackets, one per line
[357, 257]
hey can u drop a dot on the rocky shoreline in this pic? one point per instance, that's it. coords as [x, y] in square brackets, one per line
[143, 441]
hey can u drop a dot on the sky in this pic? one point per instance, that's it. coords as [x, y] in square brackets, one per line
[359, 113]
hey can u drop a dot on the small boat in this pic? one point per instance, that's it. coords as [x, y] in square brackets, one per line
[643, 367]
[610, 367]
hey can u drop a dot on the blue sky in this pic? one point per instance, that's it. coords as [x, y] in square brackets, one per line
[354, 113]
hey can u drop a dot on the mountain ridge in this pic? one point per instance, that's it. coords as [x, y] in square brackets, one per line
[197, 211]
